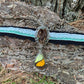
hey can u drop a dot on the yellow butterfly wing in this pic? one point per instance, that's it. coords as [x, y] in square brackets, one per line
[39, 62]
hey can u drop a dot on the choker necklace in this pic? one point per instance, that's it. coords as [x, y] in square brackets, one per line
[42, 35]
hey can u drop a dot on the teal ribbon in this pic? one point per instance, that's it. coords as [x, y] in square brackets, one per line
[67, 37]
[18, 31]
[52, 35]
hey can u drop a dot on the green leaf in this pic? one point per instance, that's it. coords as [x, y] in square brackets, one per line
[9, 80]
[13, 83]
[45, 82]
[51, 82]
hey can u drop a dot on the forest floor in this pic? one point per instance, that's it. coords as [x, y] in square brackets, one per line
[26, 50]
[8, 76]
